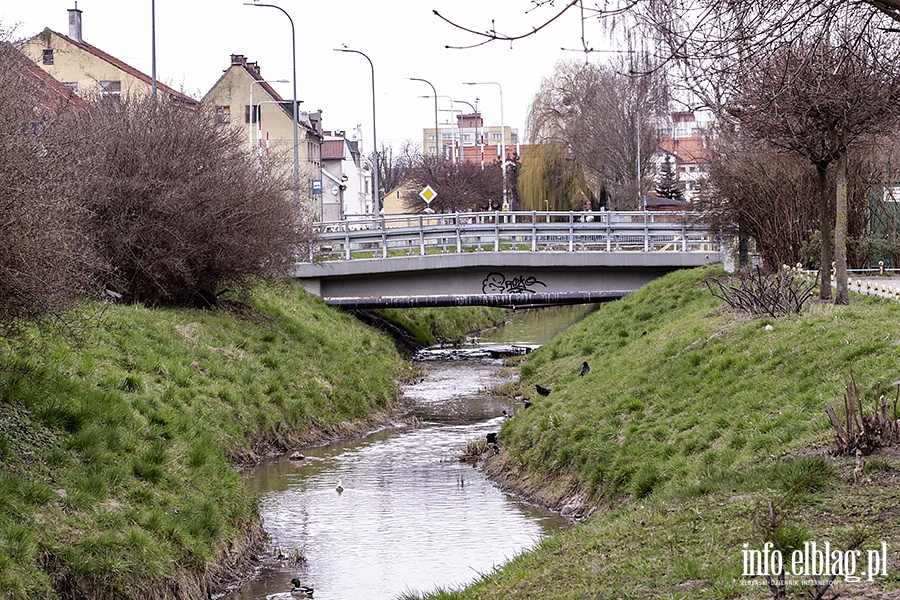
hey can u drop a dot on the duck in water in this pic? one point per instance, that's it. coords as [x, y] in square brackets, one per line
[304, 591]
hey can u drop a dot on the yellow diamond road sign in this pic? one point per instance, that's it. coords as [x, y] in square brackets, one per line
[428, 194]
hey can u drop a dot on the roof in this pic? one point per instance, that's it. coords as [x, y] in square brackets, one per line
[125, 67]
[49, 93]
[333, 150]
[252, 70]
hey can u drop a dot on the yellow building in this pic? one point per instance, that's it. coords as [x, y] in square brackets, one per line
[242, 98]
[89, 71]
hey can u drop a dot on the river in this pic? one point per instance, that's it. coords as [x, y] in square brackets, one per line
[410, 516]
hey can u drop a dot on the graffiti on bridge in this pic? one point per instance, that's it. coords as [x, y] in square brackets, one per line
[497, 283]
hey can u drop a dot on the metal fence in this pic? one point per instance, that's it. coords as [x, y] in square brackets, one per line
[499, 231]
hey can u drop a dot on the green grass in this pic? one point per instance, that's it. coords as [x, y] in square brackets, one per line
[118, 455]
[690, 423]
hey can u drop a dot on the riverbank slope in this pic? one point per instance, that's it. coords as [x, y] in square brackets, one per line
[698, 435]
[120, 449]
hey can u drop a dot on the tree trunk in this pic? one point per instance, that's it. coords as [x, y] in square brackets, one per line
[825, 232]
[842, 296]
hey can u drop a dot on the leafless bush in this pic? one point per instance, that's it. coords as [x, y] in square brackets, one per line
[756, 292]
[46, 260]
[858, 431]
[178, 206]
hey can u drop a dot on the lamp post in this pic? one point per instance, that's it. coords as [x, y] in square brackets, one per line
[502, 131]
[376, 196]
[152, 50]
[462, 147]
[453, 155]
[293, 100]
[437, 132]
[256, 114]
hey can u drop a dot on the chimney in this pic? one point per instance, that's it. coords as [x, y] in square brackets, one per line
[75, 24]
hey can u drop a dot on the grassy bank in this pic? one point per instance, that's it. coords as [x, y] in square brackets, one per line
[695, 432]
[117, 457]
[431, 326]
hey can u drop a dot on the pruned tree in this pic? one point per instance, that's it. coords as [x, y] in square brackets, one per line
[179, 206]
[818, 97]
[604, 117]
[460, 187]
[47, 262]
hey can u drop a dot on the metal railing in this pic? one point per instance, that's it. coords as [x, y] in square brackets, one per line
[499, 231]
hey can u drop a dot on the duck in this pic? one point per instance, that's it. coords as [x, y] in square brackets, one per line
[304, 591]
[339, 489]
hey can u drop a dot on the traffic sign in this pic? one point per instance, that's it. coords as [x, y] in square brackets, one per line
[428, 194]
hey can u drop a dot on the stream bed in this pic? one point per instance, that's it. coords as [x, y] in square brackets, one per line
[410, 517]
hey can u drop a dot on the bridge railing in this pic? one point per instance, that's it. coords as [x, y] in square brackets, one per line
[500, 231]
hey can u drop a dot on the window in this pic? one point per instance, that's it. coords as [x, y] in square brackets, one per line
[497, 136]
[48, 56]
[223, 115]
[110, 89]
[247, 114]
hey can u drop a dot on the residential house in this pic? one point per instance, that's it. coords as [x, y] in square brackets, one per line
[470, 140]
[89, 71]
[242, 98]
[685, 139]
[346, 179]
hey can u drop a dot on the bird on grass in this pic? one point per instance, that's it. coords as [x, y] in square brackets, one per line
[304, 591]
[491, 437]
[527, 403]
[584, 369]
[542, 390]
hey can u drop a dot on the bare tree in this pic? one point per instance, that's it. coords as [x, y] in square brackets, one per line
[459, 188]
[396, 165]
[179, 208]
[818, 98]
[604, 117]
[47, 262]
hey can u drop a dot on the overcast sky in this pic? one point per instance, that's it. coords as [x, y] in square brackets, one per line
[403, 38]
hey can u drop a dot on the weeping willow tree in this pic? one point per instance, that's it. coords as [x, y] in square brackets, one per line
[549, 179]
[604, 115]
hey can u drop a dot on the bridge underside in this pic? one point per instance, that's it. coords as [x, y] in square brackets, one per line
[510, 279]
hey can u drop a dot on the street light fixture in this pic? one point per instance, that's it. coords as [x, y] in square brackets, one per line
[293, 100]
[376, 196]
[437, 133]
[474, 112]
[256, 114]
[502, 132]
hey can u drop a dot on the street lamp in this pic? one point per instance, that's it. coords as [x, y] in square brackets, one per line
[376, 196]
[293, 101]
[437, 132]
[502, 131]
[474, 112]
[256, 114]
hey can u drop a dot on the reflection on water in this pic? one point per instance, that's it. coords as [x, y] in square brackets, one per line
[411, 516]
[538, 325]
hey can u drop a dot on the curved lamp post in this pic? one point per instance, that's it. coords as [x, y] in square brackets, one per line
[257, 115]
[376, 196]
[437, 133]
[502, 131]
[293, 100]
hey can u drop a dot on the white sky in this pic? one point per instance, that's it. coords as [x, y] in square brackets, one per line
[403, 38]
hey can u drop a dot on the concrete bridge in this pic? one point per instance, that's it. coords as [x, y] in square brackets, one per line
[513, 259]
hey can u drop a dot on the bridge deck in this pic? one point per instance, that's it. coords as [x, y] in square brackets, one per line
[508, 259]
